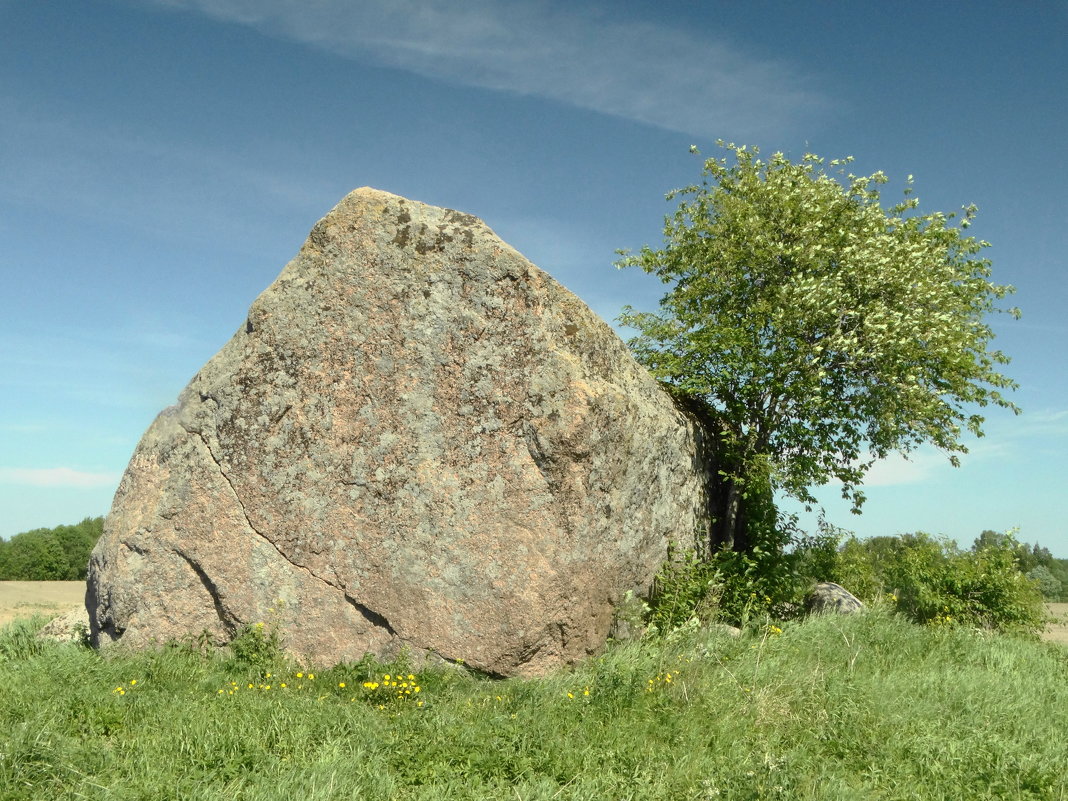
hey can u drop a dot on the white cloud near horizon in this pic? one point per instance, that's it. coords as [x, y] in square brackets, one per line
[56, 477]
[670, 77]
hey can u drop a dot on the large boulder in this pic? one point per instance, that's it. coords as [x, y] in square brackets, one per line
[416, 438]
[826, 597]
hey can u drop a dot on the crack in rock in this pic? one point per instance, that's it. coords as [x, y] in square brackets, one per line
[227, 619]
[374, 618]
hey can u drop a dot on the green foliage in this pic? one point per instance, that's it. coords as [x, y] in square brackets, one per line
[1048, 584]
[933, 582]
[768, 581]
[1058, 568]
[257, 646]
[803, 714]
[686, 586]
[1034, 560]
[823, 330]
[18, 639]
[55, 554]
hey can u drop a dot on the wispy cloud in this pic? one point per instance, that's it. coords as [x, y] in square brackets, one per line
[658, 74]
[63, 477]
[896, 469]
[109, 171]
[927, 462]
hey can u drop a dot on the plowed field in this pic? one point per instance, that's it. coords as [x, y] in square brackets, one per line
[28, 598]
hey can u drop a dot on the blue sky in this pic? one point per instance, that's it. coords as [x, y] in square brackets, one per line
[161, 160]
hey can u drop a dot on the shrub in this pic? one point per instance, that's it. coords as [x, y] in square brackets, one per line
[257, 646]
[933, 582]
[768, 581]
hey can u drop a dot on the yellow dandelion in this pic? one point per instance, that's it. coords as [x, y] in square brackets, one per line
[282, 685]
[385, 677]
[411, 677]
[341, 684]
[569, 695]
[417, 688]
[311, 677]
[133, 682]
[300, 675]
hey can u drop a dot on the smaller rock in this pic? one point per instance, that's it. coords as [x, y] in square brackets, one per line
[828, 597]
[724, 630]
[72, 626]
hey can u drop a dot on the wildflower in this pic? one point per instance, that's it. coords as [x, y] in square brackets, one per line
[300, 675]
[341, 684]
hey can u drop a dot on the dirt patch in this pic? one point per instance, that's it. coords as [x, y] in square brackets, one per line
[1057, 631]
[29, 598]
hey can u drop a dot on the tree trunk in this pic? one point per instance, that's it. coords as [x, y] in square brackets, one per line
[727, 508]
[729, 524]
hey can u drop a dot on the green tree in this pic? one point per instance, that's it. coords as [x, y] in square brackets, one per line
[1048, 584]
[818, 331]
[50, 554]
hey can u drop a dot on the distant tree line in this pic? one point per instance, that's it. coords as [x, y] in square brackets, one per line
[50, 554]
[932, 579]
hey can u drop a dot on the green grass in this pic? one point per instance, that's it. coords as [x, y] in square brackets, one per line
[867, 707]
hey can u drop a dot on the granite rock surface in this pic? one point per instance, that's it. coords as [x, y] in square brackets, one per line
[417, 439]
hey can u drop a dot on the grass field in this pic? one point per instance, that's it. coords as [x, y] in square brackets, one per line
[865, 707]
